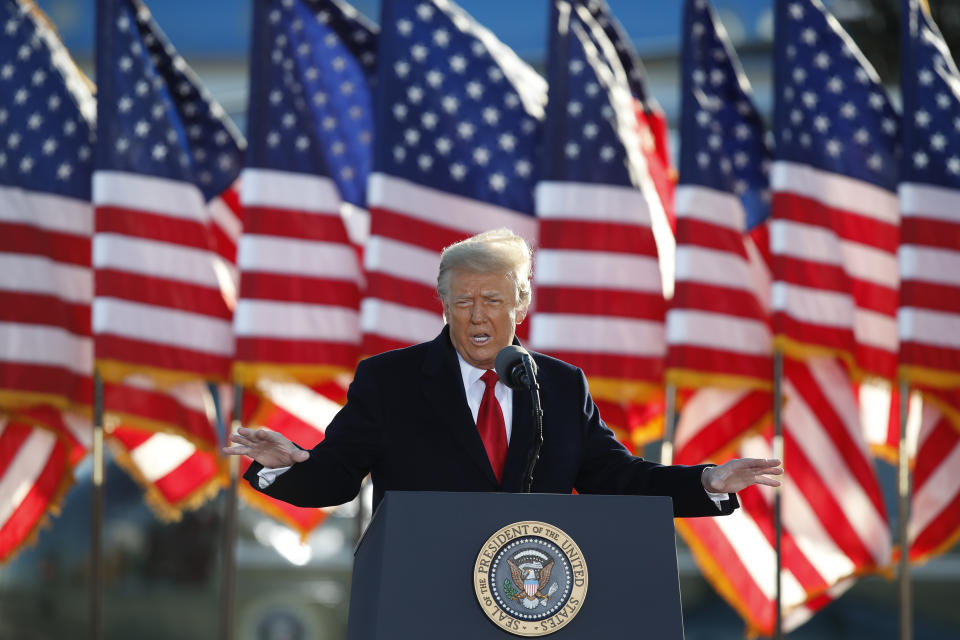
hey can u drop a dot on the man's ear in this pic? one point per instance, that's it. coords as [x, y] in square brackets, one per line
[521, 315]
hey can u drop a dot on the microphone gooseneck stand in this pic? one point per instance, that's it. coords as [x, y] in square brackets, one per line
[537, 412]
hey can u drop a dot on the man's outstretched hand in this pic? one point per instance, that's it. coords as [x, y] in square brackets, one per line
[739, 474]
[269, 448]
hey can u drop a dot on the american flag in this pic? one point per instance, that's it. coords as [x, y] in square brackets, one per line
[599, 291]
[929, 316]
[46, 220]
[163, 256]
[164, 151]
[722, 285]
[46, 134]
[458, 123]
[718, 325]
[653, 122]
[834, 522]
[304, 189]
[834, 232]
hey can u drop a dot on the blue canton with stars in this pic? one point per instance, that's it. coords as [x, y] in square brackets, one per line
[636, 74]
[583, 141]
[448, 114]
[931, 103]
[830, 109]
[311, 85]
[723, 144]
[46, 122]
[155, 117]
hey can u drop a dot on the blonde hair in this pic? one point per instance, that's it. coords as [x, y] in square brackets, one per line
[496, 251]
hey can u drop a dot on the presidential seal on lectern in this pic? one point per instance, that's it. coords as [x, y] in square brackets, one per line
[530, 578]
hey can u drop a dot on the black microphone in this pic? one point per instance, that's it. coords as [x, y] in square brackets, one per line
[516, 368]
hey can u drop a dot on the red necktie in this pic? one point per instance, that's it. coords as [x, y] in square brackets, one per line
[490, 424]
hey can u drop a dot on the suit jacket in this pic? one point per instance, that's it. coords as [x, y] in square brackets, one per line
[407, 423]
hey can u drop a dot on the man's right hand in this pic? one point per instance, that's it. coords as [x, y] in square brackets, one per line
[269, 448]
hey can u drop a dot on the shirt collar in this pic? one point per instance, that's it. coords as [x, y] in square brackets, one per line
[468, 372]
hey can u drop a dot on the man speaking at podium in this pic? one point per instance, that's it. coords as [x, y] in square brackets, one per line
[435, 416]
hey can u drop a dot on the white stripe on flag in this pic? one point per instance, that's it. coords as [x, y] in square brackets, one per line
[22, 473]
[928, 201]
[837, 191]
[401, 260]
[758, 557]
[718, 331]
[591, 202]
[303, 402]
[45, 345]
[310, 258]
[444, 209]
[38, 274]
[160, 325]
[930, 264]
[929, 500]
[816, 544]
[831, 467]
[929, 327]
[46, 211]
[595, 269]
[138, 192]
[816, 306]
[296, 320]
[711, 206]
[224, 217]
[714, 266]
[817, 244]
[161, 454]
[597, 334]
[154, 259]
[703, 407]
[286, 190]
[398, 322]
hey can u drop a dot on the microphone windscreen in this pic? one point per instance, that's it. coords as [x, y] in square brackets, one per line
[506, 365]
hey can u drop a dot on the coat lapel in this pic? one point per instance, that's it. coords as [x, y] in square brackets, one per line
[443, 390]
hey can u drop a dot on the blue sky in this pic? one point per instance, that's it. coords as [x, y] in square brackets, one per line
[220, 28]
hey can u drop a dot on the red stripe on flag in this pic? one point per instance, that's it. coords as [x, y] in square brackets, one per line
[719, 362]
[927, 295]
[161, 292]
[152, 226]
[597, 236]
[292, 352]
[844, 224]
[410, 294]
[295, 224]
[182, 482]
[603, 365]
[412, 231]
[867, 295]
[162, 407]
[257, 285]
[204, 365]
[738, 303]
[61, 247]
[697, 233]
[35, 378]
[600, 302]
[40, 309]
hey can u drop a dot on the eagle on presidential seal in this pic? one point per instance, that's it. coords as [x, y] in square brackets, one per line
[530, 571]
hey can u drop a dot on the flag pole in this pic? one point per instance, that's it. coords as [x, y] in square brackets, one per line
[777, 506]
[228, 567]
[903, 515]
[669, 423]
[96, 514]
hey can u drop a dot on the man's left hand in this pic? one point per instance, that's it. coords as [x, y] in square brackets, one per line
[740, 473]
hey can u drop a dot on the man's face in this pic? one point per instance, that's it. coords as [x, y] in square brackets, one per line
[482, 314]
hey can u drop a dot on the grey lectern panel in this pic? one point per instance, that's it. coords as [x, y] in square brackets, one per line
[413, 569]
